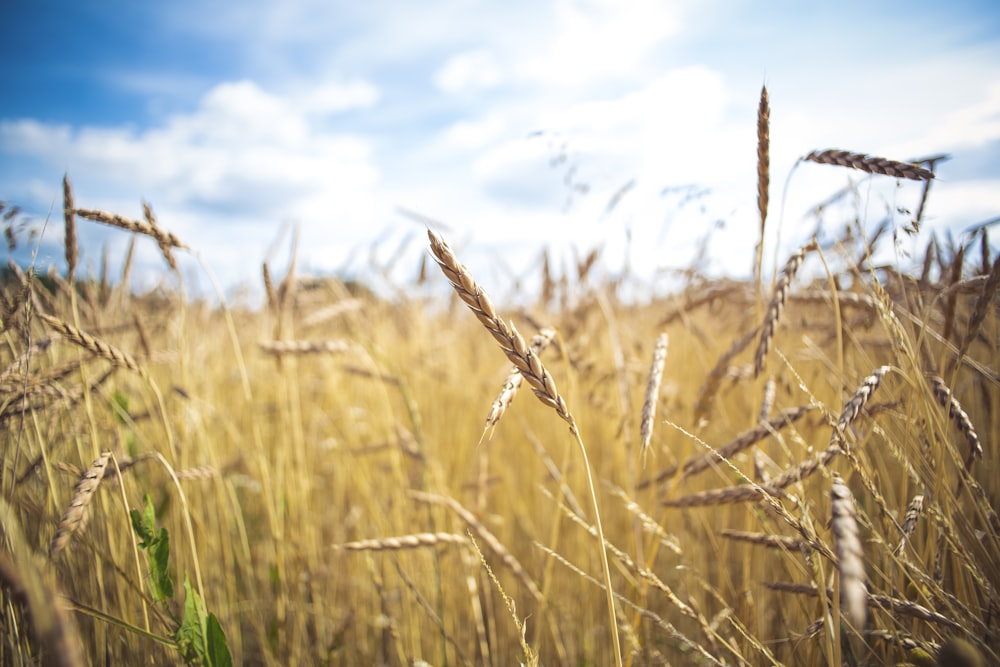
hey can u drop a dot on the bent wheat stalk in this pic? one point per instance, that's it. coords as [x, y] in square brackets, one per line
[541, 381]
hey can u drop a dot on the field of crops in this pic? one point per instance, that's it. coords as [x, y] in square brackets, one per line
[797, 468]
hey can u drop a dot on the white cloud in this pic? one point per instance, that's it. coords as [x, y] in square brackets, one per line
[477, 69]
[590, 39]
[244, 156]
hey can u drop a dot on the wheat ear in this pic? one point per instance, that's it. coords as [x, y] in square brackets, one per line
[70, 237]
[913, 511]
[75, 516]
[93, 345]
[279, 347]
[161, 236]
[763, 171]
[778, 304]
[961, 418]
[513, 383]
[653, 392]
[511, 342]
[850, 556]
[871, 165]
[415, 541]
[858, 401]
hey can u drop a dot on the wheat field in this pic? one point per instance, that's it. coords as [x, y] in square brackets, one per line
[792, 469]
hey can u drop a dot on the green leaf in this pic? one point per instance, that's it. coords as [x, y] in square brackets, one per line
[144, 523]
[217, 649]
[190, 635]
[158, 546]
[159, 557]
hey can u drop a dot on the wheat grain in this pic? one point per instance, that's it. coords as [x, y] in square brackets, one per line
[858, 401]
[330, 312]
[653, 392]
[743, 441]
[913, 511]
[70, 235]
[778, 303]
[891, 604]
[415, 541]
[165, 241]
[93, 345]
[513, 382]
[981, 306]
[724, 496]
[961, 418]
[279, 347]
[161, 236]
[765, 540]
[763, 172]
[767, 403]
[272, 295]
[871, 165]
[75, 517]
[850, 556]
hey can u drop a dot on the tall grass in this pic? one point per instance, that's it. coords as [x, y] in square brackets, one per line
[320, 468]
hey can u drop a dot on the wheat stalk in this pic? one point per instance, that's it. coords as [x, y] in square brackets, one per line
[75, 517]
[871, 165]
[653, 392]
[538, 377]
[778, 304]
[486, 536]
[981, 306]
[715, 376]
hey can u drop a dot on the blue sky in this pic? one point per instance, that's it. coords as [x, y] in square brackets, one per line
[513, 123]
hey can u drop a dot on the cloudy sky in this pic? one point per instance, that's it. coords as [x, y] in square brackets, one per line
[518, 125]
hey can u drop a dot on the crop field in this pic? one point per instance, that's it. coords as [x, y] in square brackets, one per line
[797, 468]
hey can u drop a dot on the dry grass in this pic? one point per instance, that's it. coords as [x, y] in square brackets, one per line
[335, 508]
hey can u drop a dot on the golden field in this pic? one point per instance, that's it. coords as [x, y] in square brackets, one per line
[818, 484]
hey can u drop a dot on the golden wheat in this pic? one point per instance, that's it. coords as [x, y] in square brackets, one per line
[850, 556]
[653, 392]
[75, 516]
